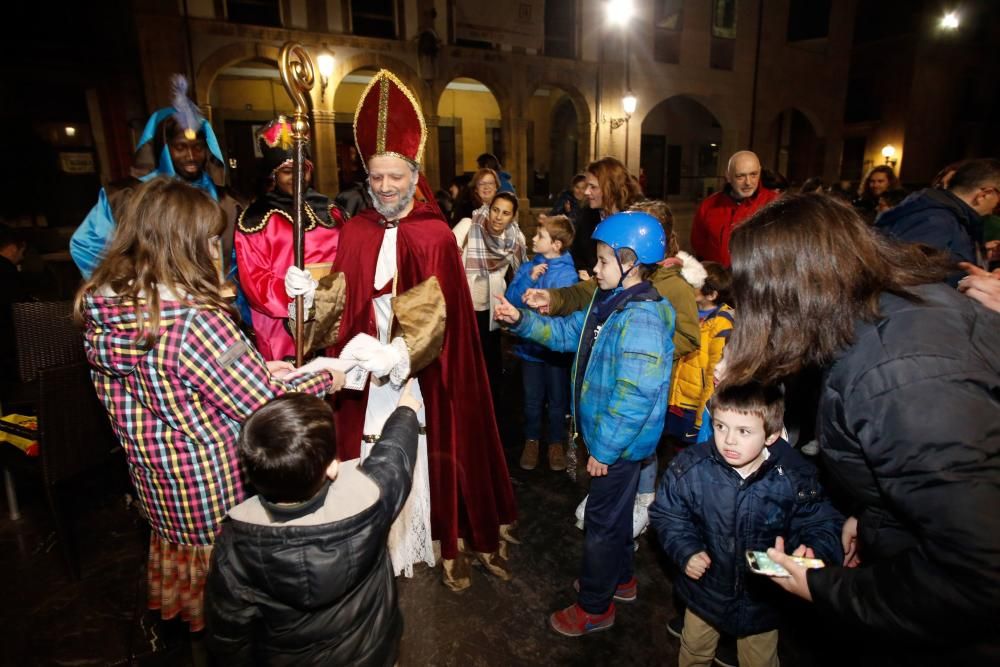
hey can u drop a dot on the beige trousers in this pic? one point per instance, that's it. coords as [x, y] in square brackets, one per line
[699, 639]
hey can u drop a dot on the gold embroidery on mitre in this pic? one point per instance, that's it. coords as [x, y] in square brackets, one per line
[384, 75]
[383, 117]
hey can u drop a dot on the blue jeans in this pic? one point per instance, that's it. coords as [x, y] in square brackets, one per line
[545, 381]
[607, 539]
[647, 474]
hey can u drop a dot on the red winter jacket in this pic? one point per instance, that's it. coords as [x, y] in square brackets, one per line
[716, 218]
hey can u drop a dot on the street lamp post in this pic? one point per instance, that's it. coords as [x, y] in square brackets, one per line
[619, 13]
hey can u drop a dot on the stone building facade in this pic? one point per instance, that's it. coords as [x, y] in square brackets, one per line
[710, 78]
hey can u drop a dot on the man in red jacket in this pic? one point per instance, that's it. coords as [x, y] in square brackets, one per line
[719, 214]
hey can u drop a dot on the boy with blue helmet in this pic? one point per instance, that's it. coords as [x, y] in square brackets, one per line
[620, 379]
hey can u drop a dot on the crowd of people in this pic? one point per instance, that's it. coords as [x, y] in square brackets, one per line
[284, 501]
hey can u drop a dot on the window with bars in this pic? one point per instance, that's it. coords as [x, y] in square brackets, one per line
[373, 18]
[723, 51]
[808, 19]
[560, 29]
[667, 26]
[254, 12]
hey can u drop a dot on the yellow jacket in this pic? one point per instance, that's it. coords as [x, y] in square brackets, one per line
[692, 384]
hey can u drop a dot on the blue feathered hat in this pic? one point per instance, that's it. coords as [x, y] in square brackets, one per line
[188, 117]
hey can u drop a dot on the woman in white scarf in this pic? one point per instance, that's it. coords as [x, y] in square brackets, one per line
[492, 244]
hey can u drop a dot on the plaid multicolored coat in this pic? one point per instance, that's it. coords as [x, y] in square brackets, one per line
[177, 407]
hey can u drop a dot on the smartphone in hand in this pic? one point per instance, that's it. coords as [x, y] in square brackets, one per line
[761, 563]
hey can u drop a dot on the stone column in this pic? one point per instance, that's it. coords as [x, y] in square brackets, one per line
[324, 152]
[432, 149]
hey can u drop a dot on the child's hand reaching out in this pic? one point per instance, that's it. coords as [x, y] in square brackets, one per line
[407, 398]
[505, 312]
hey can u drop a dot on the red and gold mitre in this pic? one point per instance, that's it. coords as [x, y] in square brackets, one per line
[389, 121]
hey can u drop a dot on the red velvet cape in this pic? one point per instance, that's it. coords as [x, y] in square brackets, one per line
[471, 493]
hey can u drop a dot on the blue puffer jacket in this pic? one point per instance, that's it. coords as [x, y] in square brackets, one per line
[704, 505]
[561, 273]
[623, 398]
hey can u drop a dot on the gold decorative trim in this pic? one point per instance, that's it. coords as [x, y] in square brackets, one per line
[383, 116]
[381, 75]
[310, 214]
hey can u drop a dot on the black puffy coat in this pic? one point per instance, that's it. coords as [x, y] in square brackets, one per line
[321, 594]
[909, 428]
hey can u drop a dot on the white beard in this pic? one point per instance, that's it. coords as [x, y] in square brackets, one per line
[393, 212]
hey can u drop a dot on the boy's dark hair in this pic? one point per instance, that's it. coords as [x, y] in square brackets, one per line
[287, 445]
[754, 399]
[718, 279]
[560, 228]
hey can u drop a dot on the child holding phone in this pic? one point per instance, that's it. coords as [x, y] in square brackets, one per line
[747, 485]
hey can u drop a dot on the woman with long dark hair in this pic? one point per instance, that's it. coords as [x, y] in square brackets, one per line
[879, 180]
[908, 422]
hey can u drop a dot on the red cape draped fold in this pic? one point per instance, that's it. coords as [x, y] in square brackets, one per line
[471, 493]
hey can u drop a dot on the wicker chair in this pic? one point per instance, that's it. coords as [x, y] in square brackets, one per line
[74, 435]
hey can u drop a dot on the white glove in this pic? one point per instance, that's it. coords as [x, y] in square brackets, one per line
[375, 357]
[299, 282]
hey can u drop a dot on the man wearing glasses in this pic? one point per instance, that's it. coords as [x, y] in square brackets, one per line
[952, 219]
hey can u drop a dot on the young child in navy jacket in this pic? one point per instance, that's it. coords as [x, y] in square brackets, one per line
[739, 491]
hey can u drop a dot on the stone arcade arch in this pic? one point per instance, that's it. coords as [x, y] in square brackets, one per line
[680, 150]
[799, 144]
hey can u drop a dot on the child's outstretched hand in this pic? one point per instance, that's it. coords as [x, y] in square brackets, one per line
[698, 565]
[537, 299]
[538, 271]
[505, 312]
[407, 399]
[596, 468]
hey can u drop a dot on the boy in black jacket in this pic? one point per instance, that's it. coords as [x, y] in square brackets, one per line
[300, 573]
[737, 492]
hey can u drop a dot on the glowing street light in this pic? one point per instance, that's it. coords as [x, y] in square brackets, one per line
[619, 11]
[889, 152]
[950, 21]
[628, 103]
[325, 65]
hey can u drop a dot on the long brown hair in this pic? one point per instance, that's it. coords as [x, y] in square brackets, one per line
[619, 188]
[161, 240]
[805, 269]
[865, 192]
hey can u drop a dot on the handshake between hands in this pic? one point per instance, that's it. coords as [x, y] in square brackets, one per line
[366, 351]
[392, 359]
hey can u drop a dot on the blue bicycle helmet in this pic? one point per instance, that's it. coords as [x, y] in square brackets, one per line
[640, 232]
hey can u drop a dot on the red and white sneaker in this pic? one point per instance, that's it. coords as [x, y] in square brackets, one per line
[573, 621]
